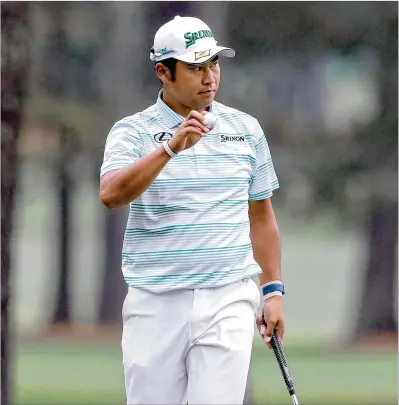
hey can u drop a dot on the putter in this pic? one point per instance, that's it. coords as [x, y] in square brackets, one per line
[282, 362]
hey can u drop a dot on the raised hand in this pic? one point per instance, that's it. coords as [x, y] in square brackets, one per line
[191, 130]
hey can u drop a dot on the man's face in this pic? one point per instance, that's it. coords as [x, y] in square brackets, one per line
[195, 85]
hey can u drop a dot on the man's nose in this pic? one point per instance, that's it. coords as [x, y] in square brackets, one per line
[208, 76]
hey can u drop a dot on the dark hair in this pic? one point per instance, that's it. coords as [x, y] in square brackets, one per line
[170, 63]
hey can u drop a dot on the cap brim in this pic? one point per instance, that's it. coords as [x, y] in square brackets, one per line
[203, 56]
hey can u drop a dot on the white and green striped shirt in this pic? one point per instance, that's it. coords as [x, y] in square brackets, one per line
[190, 228]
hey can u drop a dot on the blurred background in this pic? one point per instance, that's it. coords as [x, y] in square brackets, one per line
[321, 77]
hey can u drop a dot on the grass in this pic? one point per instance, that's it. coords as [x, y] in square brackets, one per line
[329, 379]
[79, 373]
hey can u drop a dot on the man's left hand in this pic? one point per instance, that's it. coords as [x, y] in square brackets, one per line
[272, 319]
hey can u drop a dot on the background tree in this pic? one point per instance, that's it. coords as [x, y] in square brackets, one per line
[14, 65]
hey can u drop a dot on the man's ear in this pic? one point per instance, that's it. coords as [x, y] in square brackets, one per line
[163, 73]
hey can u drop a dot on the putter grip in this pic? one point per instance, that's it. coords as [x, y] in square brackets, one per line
[282, 362]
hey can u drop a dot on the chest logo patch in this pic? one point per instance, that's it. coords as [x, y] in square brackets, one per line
[162, 136]
[226, 138]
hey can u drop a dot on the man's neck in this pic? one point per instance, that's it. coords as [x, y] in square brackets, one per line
[178, 107]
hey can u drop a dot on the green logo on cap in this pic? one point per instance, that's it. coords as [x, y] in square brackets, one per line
[191, 37]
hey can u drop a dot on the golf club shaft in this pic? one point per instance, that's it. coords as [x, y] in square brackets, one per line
[294, 399]
[282, 362]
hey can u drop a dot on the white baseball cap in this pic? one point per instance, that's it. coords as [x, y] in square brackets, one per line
[187, 39]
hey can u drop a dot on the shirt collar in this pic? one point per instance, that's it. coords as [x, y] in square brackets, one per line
[171, 118]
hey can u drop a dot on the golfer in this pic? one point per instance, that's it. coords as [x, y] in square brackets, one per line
[200, 227]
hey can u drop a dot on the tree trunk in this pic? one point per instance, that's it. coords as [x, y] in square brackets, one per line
[61, 313]
[378, 296]
[114, 287]
[377, 313]
[14, 53]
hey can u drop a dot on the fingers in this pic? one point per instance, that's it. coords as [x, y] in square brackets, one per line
[190, 131]
[280, 331]
[262, 329]
[266, 330]
[269, 332]
[260, 324]
[197, 115]
[197, 118]
[194, 130]
[193, 122]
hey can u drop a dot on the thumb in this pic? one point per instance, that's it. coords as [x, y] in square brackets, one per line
[259, 321]
[269, 331]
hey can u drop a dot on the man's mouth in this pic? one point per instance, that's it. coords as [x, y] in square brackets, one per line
[207, 91]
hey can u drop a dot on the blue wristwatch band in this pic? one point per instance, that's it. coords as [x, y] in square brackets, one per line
[272, 288]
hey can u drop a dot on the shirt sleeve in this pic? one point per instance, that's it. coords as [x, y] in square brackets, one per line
[264, 179]
[122, 147]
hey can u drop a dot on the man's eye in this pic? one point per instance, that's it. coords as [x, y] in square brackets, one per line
[197, 68]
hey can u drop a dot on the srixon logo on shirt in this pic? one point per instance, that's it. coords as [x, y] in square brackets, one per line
[227, 138]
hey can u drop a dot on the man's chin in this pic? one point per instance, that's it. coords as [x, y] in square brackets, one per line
[206, 99]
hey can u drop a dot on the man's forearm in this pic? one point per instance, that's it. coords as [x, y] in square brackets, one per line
[265, 238]
[121, 186]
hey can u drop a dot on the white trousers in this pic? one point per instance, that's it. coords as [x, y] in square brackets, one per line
[189, 346]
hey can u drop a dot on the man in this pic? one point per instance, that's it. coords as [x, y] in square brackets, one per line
[200, 225]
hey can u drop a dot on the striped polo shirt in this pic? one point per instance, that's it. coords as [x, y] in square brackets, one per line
[190, 228]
